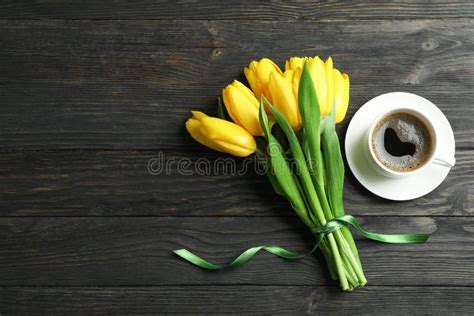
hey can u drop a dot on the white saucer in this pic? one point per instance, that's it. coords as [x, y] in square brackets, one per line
[398, 189]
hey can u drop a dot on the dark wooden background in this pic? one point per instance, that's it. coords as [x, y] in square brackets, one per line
[90, 91]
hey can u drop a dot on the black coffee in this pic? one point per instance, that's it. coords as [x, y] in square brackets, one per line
[401, 142]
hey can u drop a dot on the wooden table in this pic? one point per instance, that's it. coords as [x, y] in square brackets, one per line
[91, 92]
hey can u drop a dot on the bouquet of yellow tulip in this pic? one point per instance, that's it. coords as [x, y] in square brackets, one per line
[291, 115]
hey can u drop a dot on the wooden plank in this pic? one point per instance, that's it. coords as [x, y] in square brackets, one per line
[248, 10]
[246, 299]
[137, 251]
[173, 183]
[117, 85]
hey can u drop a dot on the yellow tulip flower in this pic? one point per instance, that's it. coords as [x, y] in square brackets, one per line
[285, 96]
[242, 106]
[295, 63]
[328, 69]
[220, 135]
[331, 86]
[258, 76]
[341, 94]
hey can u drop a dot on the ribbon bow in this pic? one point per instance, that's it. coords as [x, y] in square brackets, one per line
[319, 233]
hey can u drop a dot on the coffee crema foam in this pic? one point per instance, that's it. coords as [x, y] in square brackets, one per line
[409, 129]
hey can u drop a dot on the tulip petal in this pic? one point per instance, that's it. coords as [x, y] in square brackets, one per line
[328, 67]
[198, 114]
[338, 93]
[228, 105]
[244, 110]
[228, 136]
[246, 92]
[294, 63]
[318, 75]
[265, 67]
[288, 75]
[296, 80]
[252, 79]
[193, 126]
[345, 99]
[284, 99]
[235, 149]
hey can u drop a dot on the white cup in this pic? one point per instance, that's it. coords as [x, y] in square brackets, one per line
[435, 157]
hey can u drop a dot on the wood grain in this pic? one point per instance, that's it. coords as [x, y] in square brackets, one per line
[92, 91]
[201, 183]
[137, 251]
[116, 85]
[246, 299]
[248, 10]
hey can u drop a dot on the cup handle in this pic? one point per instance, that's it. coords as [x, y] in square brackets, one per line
[448, 162]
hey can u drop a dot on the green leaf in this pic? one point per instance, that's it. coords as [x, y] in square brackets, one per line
[311, 190]
[299, 157]
[282, 177]
[280, 136]
[274, 182]
[310, 115]
[221, 111]
[288, 131]
[334, 165]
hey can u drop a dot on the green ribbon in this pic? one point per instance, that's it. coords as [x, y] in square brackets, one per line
[320, 232]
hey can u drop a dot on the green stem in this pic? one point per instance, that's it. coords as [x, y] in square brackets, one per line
[343, 244]
[306, 181]
[347, 253]
[350, 240]
[314, 202]
[350, 274]
[324, 202]
[325, 249]
[338, 262]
